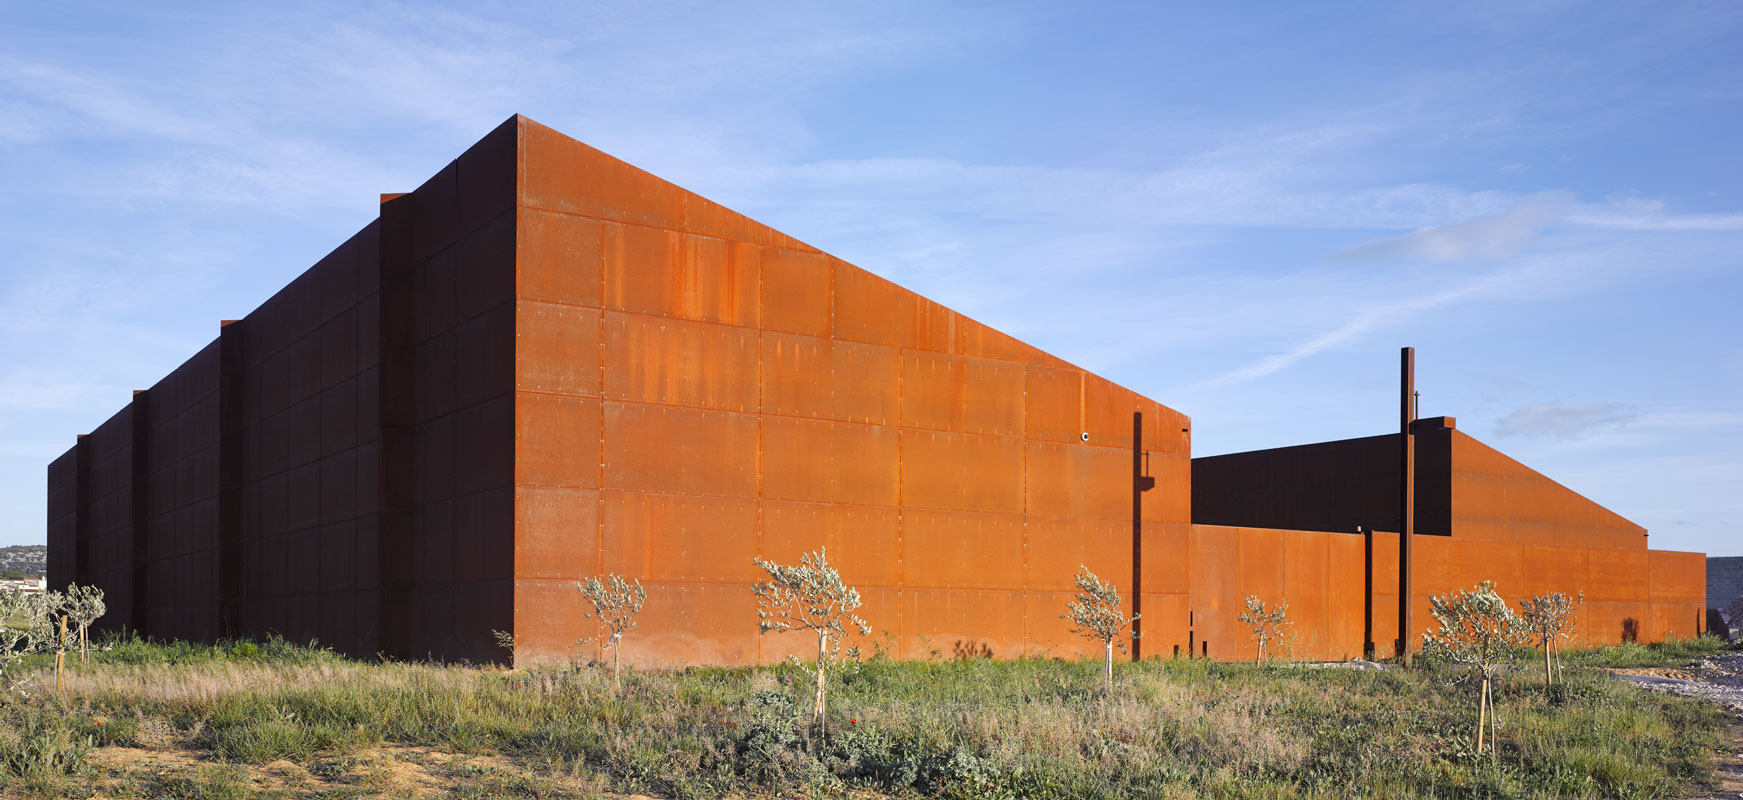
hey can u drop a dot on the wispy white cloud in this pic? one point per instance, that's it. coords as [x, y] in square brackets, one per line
[1564, 420]
[1498, 236]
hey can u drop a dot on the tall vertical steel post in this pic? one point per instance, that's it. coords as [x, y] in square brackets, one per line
[1406, 494]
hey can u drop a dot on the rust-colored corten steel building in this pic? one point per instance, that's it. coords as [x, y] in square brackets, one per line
[545, 364]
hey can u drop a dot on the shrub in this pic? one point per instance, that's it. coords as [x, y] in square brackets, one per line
[615, 604]
[1478, 630]
[1095, 614]
[1267, 626]
[810, 597]
[1548, 618]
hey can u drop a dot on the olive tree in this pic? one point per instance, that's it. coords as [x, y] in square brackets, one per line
[84, 605]
[25, 628]
[810, 596]
[615, 604]
[1477, 630]
[1547, 618]
[1267, 625]
[1095, 614]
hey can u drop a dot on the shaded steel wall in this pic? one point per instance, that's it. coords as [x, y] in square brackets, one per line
[181, 495]
[1328, 486]
[447, 416]
[1463, 488]
[109, 503]
[694, 389]
[305, 448]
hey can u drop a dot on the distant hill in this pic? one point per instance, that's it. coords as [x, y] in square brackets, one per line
[31, 559]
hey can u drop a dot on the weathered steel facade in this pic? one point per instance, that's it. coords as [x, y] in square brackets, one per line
[545, 364]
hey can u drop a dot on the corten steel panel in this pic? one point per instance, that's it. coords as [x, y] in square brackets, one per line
[484, 446]
[1054, 405]
[992, 398]
[837, 462]
[962, 472]
[1675, 577]
[484, 365]
[682, 623]
[63, 513]
[557, 440]
[488, 516]
[558, 349]
[796, 292]
[1554, 569]
[435, 377]
[716, 281]
[1606, 623]
[962, 550]
[950, 623]
[871, 309]
[1057, 546]
[668, 449]
[1306, 588]
[865, 380]
[1107, 411]
[793, 375]
[561, 258]
[976, 339]
[1167, 558]
[642, 269]
[1216, 598]
[864, 543]
[1674, 621]
[1330, 486]
[676, 538]
[561, 174]
[962, 394]
[1617, 575]
[1079, 481]
[677, 362]
[1345, 603]
[1494, 496]
[1494, 561]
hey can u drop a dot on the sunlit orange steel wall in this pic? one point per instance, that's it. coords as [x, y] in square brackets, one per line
[693, 389]
[544, 364]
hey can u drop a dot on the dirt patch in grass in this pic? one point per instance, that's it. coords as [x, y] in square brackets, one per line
[1727, 776]
[416, 773]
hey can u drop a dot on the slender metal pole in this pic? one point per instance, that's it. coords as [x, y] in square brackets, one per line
[1407, 494]
[1138, 488]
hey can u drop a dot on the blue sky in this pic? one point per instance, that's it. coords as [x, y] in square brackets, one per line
[1240, 210]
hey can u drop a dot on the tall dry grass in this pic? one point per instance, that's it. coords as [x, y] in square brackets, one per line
[962, 729]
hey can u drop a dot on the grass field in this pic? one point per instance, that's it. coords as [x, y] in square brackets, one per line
[272, 719]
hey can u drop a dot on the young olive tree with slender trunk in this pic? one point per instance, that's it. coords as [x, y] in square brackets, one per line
[84, 605]
[1267, 625]
[1095, 614]
[615, 604]
[810, 597]
[1477, 629]
[1547, 617]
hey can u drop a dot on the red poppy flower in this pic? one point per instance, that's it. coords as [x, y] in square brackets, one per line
[853, 722]
[99, 723]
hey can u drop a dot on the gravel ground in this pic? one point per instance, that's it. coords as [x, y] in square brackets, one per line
[1719, 679]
